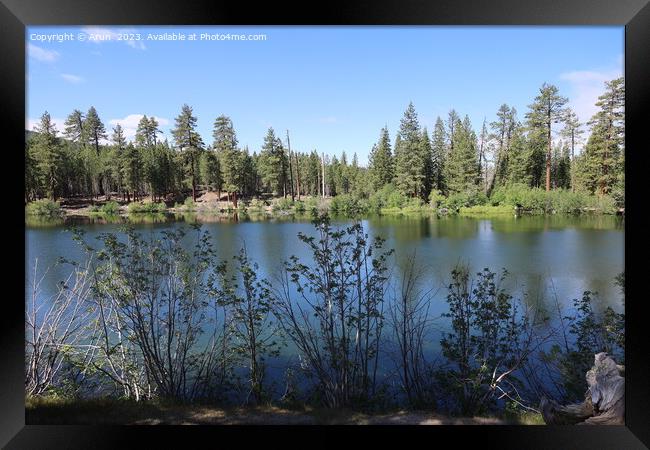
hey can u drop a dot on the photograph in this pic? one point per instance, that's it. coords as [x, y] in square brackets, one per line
[324, 225]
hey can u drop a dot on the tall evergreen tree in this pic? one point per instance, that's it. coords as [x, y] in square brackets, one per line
[409, 160]
[604, 152]
[94, 129]
[48, 155]
[572, 131]
[273, 164]
[189, 143]
[439, 153]
[225, 144]
[547, 109]
[381, 161]
[427, 154]
[74, 125]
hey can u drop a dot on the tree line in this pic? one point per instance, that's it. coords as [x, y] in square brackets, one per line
[539, 150]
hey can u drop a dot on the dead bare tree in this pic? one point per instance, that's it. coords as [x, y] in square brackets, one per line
[54, 328]
[604, 402]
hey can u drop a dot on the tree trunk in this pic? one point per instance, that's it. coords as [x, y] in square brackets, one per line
[548, 160]
[605, 398]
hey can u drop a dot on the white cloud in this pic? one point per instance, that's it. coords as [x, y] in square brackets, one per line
[586, 87]
[130, 124]
[71, 78]
[98, 35]
[40, 54]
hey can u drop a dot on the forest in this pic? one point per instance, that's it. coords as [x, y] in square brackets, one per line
[540, 161]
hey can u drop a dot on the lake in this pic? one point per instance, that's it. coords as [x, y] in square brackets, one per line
[547, 257]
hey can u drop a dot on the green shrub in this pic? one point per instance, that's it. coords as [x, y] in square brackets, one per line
[435, 198]
[316, 204]
[460, 200]
[349, 205]
[256, 205]
[110, 208]
[147, 208]
[387, 197]
[299, 207]
[189, 204]
[538, 201]
[44, 207]
[282, 204]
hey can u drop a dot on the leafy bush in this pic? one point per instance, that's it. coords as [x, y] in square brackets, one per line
[256, 205]
[464, 199]
[537, 200]
[348, 205]
[315, 204]
[282, 204]
[436, 198]
[147, 208]
[44, 207]
[110, 208]
[299, 206]
[189, 204]
[387, 197]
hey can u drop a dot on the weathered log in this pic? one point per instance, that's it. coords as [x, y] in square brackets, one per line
[605, 398]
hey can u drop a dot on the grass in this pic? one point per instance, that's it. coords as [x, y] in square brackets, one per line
[486, 210]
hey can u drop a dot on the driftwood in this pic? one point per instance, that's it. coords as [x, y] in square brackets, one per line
[605, 398]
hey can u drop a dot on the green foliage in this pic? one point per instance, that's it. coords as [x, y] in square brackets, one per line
[111, 208]
[339, 334]
[488, 340]
[44, 207]
[146, 208]
[282, 205]
[590, 332]
[465, 199]
[348, 205]
[435, 198]
[538, 201]
[256, 205]
[299, 207]
[387, 197]
[189, 204]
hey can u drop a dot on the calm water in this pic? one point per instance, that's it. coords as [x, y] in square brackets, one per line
[546, 256]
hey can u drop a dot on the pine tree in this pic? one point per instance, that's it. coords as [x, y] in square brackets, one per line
[547, 109]
[273, 164]
[131, 171]
[409, 160]
[93, 129]
[462, 163]
[74, 125]
[118, 142]
[225, 144]
[381, 161]
[48, 155]
[572, 131]
[439, 153]
[604, 152]
[427, 154]
[189, 143]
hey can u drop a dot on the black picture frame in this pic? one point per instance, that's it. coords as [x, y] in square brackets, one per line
[15, 15]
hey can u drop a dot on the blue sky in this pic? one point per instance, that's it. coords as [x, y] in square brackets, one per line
[333, 88]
